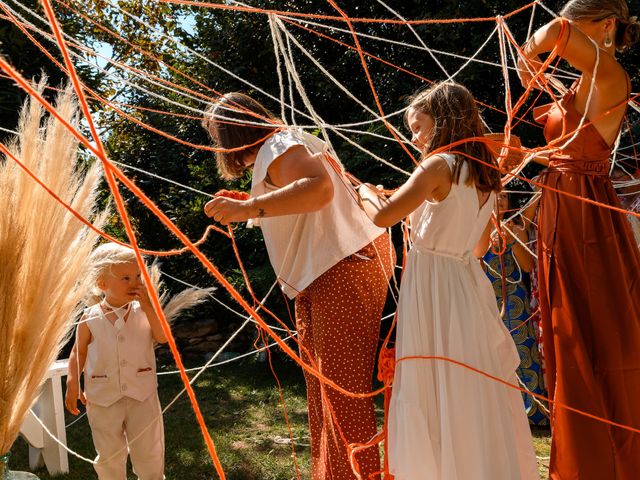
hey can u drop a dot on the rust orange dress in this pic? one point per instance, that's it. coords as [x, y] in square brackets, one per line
[589, 274]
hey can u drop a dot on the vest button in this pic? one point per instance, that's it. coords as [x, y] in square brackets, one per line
[123, 363]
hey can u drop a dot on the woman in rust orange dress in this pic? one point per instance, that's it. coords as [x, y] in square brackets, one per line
[589, 265]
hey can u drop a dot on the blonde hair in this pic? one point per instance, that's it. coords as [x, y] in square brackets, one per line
[109, 254]
[102, 259]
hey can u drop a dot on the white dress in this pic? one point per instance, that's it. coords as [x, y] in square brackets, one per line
[445, 421]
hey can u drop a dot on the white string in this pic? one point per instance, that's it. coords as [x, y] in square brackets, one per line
[306, 101]
[290, 65]
[229, 72]
[431, 54]
[198, 111]
[283, 107]
[60, 442]
[569, 75]
[245, 317]
[332, 78]
[533, 13]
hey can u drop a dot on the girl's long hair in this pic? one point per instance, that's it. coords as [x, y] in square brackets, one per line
[235, 121]
[456, 117]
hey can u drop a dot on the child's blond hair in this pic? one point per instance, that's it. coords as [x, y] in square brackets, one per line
[102, 259]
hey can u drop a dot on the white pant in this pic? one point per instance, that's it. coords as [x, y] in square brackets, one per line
[128, 427]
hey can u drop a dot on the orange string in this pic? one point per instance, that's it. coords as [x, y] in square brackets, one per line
[391, 21]
[504, 382]
[363, 61]
[112, 173]
[109, 173]
[393, 65]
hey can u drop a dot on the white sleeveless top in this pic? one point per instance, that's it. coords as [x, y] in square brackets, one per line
[454, 226]
[120, 363]
[302, 247]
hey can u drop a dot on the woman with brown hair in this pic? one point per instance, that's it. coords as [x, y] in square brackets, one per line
[589, 265]
[327, 255]
[447, 422]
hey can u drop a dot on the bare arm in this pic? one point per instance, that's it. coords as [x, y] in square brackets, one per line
[154, 322]
[75, 368]
[430, 181]
[530, 212]
[305, 186]
[575, 47]
[485, 240]
[521, 254]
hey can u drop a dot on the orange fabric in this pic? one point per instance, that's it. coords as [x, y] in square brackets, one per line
[589, 269]
[338, 321]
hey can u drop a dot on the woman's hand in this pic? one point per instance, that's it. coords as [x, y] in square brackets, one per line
[226, 210]
[527, 70]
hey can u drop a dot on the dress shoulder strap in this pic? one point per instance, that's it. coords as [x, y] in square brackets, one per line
[449, 158]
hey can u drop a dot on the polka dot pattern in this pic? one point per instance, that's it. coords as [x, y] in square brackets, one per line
[338, 320]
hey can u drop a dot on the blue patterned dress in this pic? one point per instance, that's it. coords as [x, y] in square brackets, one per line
[517, 311]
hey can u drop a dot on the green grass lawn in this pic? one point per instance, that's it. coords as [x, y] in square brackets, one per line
[241, 406]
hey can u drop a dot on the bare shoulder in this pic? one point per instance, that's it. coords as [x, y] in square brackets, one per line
[433, 174]
[83, 333]
[294, 153]
[296, 162]
[435, 165]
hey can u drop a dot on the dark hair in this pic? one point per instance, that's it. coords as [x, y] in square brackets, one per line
[456, 117]
[627, 28]
[235, 121]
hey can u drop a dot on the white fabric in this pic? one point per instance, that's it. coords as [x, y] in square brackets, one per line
[119, 312]
[302, 247]
[128, 427]
[120, 363]
[447, 422]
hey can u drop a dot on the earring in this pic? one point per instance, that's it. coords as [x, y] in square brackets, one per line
[607, 41]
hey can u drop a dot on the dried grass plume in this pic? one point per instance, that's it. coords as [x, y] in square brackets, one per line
[181, 301]
[44, 250]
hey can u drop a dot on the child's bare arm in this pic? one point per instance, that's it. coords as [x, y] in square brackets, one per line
[154, 322]
[75, 368]
[430, 181]
[485, 239]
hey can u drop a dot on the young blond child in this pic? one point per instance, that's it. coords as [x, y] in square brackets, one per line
[114, 349]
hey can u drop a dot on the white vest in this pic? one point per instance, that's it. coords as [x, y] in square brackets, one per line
[120, 363]
[302, 247]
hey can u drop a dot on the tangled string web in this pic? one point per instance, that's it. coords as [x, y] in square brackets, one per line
[296, 108]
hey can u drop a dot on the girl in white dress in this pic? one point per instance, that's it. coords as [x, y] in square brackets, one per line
[447, 422]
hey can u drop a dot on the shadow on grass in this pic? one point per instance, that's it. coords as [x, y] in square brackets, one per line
[242, 409]
[241, 406]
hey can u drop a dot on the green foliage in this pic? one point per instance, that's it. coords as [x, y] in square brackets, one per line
[241, 406]
[241, 42]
